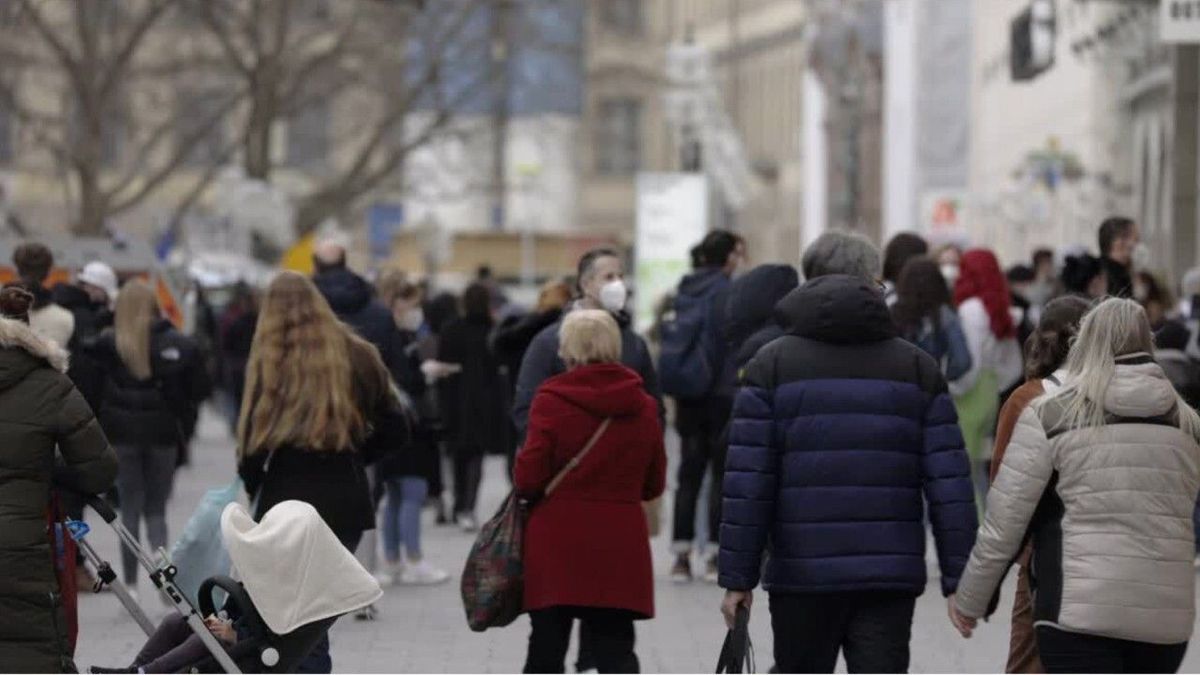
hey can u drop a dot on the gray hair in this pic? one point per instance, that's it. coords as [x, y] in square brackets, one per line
[842, 253]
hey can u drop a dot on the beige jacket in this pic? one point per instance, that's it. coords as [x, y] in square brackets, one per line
[53, 323]
[1113, 539]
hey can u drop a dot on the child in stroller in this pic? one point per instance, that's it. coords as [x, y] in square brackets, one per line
[277, 616]
[174, 647]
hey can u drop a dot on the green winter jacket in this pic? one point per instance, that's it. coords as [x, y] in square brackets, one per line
[39, 410]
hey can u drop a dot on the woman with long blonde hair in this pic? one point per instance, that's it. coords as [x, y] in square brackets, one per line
[314, 392]
[154, 382]
[1104, 474]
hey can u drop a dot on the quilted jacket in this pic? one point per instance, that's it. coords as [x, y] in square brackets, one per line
[841, 433]
[1110, 511]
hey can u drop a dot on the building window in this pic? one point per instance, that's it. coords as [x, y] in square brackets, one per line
[308, 135]
[624, 16]
[197, 108]
[618, 137]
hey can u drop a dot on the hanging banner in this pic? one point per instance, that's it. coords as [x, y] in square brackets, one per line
[672, 217]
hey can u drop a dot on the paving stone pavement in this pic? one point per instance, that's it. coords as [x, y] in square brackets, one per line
[423, 630]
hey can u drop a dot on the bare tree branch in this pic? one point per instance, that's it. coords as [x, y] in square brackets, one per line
[137, 35]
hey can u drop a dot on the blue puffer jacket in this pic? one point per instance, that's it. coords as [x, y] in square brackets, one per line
[838, 429]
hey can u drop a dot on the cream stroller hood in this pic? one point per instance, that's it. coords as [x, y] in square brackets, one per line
[293, 566]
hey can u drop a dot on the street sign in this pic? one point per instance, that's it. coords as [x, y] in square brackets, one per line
[1179, 21]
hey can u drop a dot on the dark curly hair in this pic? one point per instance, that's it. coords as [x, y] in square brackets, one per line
[1047, 347]
[921, 292]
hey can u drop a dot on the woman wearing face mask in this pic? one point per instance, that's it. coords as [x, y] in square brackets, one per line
[474, 417]
[405, 476]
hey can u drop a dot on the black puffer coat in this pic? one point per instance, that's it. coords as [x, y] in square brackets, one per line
[39, 409]
[160, 411]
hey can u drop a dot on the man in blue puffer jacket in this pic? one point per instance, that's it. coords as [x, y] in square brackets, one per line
[841, 432]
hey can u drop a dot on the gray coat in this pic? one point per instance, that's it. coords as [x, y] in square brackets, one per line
[1112, 534]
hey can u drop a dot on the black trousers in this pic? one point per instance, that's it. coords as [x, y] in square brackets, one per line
[468, 473]
[611, 639]
[1064, 652]
[702, 431]
[872, 629]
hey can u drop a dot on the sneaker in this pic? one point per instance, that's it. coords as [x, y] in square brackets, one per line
[391, 573]
[711, 573]
[104, 671]
[423, 574]
[467, 522]
[368, 613]
[681, 572]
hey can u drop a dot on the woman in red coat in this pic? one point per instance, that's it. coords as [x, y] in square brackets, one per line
[587, 549]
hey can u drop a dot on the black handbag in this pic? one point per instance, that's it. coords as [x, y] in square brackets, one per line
[737, 654]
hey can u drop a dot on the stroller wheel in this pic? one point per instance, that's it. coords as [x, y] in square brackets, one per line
[368, 613]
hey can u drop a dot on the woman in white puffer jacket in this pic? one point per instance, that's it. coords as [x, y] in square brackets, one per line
[1104, 475]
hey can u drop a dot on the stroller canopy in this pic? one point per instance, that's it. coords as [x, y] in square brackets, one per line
[293, 567]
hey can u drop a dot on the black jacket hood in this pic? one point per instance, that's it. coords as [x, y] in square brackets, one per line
[346, 292]
[753, 299]
[837, 308]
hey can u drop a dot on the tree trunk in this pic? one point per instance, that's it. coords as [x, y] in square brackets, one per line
[257, 161]
[93, 206]
[313, 210]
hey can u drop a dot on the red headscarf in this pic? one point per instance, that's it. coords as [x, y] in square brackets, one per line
[980, 277]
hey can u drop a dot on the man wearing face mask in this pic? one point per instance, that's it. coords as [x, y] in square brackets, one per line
[695, 370]
[600, 285]
[1121, 251]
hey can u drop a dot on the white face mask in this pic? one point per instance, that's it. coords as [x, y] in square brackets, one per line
[950, 272]
[413, 320]
[614, 295]
[1141, 257]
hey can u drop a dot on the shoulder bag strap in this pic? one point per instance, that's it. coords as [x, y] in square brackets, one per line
[577, 458]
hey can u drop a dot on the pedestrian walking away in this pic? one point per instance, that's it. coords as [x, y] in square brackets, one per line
[902, 248]
[695, 369]
[154, 380]
[842, 433]
[318, 409]
[587, 551]
[1104, 474]
[40, 410]
[984, 310]
[49, 320]
[1047, 351]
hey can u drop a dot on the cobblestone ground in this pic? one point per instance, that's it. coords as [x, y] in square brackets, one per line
[423, 629]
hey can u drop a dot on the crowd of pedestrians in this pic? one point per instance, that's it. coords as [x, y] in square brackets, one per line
[1038, 416]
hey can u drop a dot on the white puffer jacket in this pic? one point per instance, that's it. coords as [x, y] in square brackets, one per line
[1113, 537]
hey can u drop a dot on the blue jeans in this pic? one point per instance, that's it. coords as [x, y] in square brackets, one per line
[402, 516]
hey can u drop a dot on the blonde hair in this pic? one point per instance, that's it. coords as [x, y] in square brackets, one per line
[1115, 328]
[589, 336]
[299, 379]
[134, 316]
[553, 295]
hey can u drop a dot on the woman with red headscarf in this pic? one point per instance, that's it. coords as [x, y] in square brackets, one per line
[981, 294]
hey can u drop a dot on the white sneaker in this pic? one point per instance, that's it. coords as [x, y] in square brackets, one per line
[467, 523]
[391, 573]
[423, 574]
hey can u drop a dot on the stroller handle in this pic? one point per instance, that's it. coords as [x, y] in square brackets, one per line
[102, 508]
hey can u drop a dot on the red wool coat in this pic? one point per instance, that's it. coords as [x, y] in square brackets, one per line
[587, 544]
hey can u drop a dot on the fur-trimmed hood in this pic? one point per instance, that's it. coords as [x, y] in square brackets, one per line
[22, 351]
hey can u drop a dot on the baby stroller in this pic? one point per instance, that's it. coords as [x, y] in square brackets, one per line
[273, 558]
